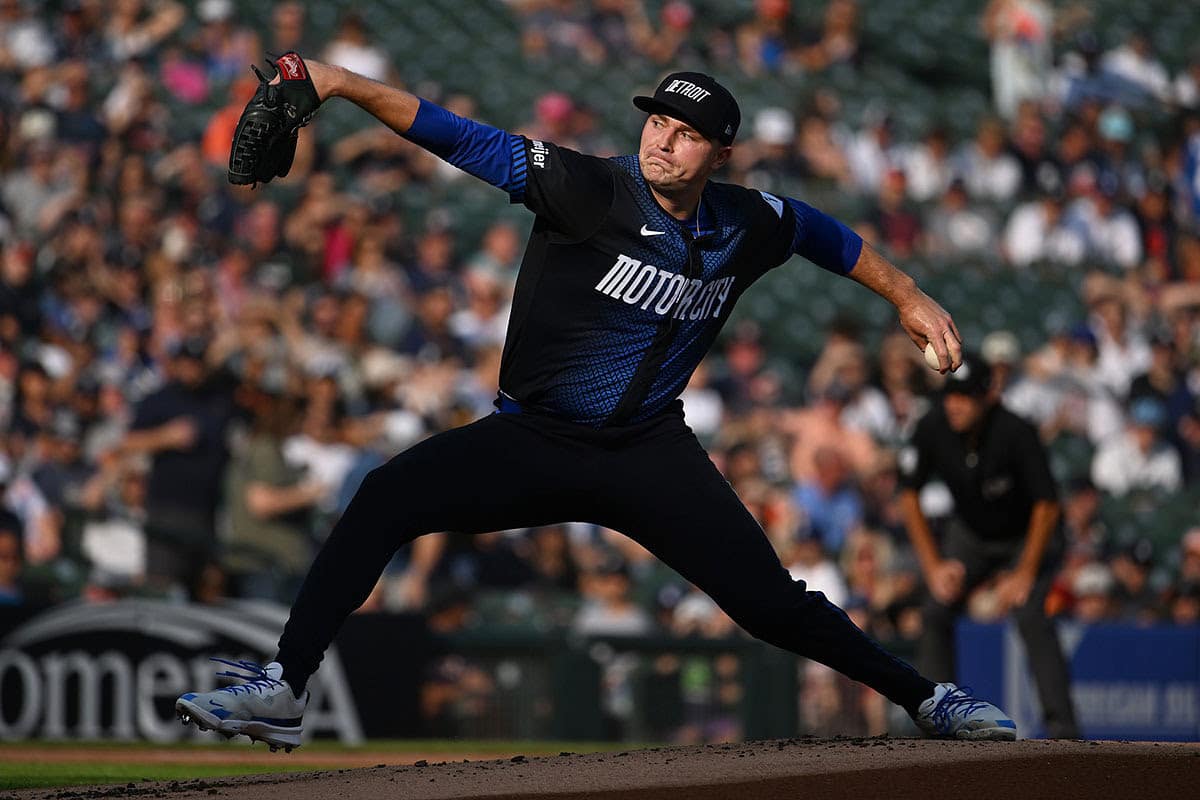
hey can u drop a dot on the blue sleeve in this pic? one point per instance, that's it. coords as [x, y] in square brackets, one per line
[823, 240]
[488, 153]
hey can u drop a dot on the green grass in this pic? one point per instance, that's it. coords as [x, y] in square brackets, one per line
[35, 776]
[82, 770]
[529, 747]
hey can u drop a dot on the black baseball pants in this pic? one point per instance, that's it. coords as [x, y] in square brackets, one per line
[651, 481]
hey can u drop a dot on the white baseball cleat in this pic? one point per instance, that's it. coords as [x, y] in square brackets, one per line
[263, 707]
[953, 713]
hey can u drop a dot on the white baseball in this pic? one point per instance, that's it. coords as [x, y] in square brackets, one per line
[931, 357]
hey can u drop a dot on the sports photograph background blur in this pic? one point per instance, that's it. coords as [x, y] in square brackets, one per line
[195, 376]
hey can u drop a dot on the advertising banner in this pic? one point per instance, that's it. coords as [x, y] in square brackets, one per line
[113, 670]
[1128, 682]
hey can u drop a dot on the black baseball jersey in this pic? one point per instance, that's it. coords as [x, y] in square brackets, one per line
[616, 301]
[995, 474]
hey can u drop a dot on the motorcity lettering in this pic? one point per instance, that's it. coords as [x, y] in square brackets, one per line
[648, 286]
[538, 152]
[688, 90]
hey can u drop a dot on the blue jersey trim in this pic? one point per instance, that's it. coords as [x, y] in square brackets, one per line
[520, 169]
[506, 405]
[699, 227]
[823, 240]
[488, 153]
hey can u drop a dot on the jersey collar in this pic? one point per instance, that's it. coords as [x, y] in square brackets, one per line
[688, 226]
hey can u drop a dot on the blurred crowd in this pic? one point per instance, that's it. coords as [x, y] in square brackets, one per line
[195, 376]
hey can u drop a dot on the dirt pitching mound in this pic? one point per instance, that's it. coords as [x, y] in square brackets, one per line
[894, 769]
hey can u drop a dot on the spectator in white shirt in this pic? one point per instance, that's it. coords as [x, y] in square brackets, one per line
[609, 608]
[1039, 231]
[1187, 84]
[927, 167]
[1139, 459]
[484, 318]
[1112, 232]
[352, 48]
[702, 404]
[1060, 390]
[866, 408]
[809, 562]
[40, 192]
[1123, 352]
[989, 171]
[1021, 35]
[1093, 587]
[954, 228]
[1135, 62]
[24, 40]
[872, 154]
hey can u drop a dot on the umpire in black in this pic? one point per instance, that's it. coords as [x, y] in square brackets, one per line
[1004, 525]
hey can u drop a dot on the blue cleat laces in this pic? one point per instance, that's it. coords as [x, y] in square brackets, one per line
[957, 700]
[254, 676]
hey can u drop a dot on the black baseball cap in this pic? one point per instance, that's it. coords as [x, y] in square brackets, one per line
[698, 100]
[973, 377]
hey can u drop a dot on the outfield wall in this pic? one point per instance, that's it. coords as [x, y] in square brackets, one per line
[1128, 682]
[112, 671]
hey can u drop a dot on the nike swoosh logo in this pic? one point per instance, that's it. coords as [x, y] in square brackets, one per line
[215, 703]
[647, 232]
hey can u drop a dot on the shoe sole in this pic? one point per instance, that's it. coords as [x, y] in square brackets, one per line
[276, 737]
[989, 735]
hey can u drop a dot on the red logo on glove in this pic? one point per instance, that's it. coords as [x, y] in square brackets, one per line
[292, 67]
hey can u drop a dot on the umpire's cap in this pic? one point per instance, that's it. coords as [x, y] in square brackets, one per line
[698, 100]
[973, 377]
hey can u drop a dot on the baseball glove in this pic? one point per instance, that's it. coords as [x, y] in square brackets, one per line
[264, 143]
